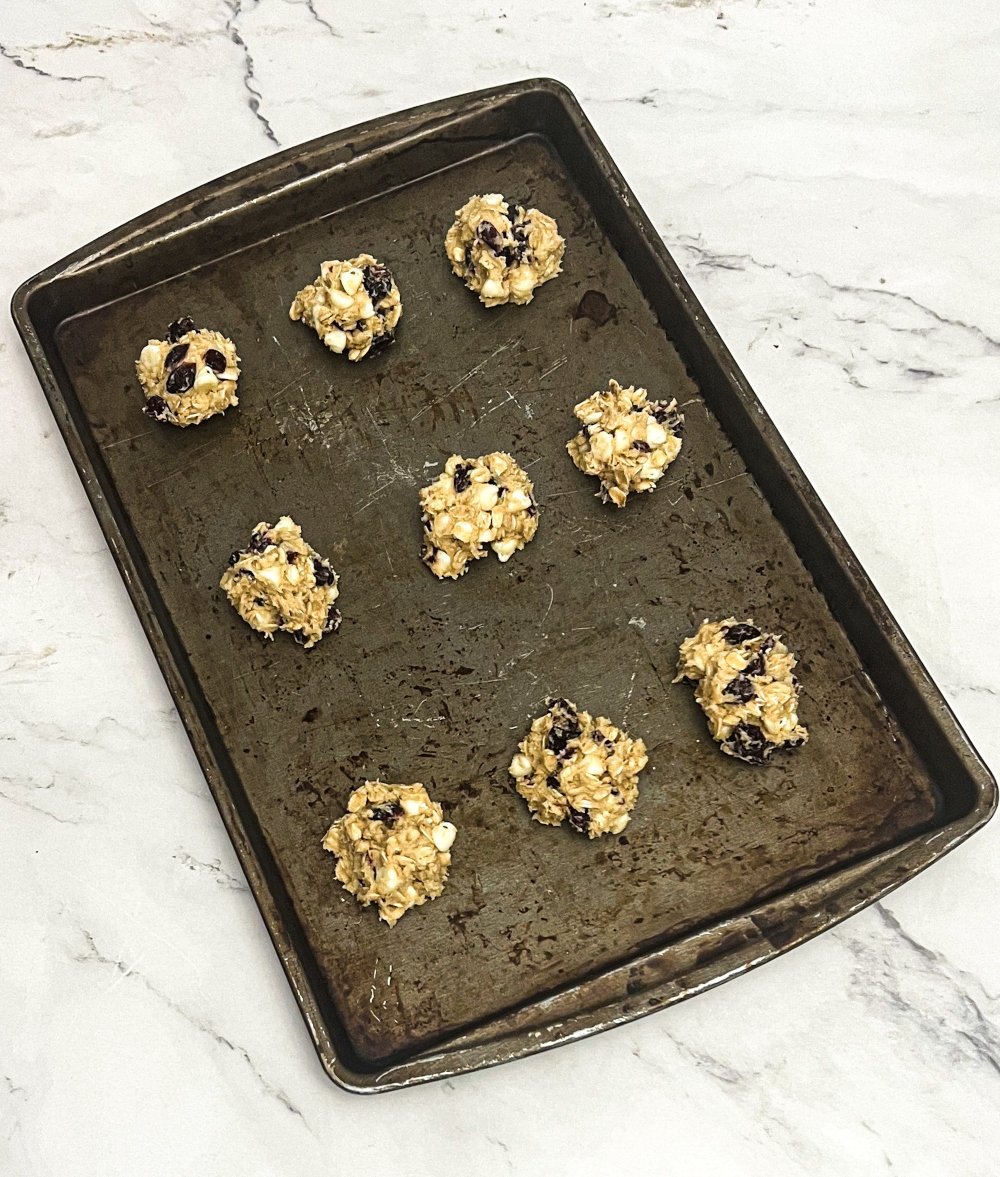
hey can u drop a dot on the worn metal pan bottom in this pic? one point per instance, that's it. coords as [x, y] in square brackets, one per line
[541, 936]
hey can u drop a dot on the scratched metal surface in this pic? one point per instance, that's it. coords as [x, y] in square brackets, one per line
[437, 682]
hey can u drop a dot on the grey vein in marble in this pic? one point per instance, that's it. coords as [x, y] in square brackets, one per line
[249, 81]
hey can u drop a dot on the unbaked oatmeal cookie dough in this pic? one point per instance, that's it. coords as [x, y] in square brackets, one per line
[393, 847]
[627, 441]
[352, 306]
[503, 250]
[744, 682]
[476, 504]
[576, 768]
[279, 582]
[189, 376]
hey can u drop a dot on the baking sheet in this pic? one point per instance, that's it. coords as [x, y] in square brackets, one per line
[437, 682]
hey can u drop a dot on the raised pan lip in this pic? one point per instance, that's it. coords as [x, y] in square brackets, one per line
[878, 875]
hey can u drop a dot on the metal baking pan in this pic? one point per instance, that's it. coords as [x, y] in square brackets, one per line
[540, 936]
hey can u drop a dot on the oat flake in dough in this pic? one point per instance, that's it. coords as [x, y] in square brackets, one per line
[744, 683]
[279, 583]
[393, 847]
[627, 441]
[502, 250]
[353, 306]
[189, 376]
[474, 505]
[576, 768]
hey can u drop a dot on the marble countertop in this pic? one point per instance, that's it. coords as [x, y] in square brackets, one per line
[826, 177]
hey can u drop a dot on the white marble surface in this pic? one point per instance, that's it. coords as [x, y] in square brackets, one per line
[826, 175]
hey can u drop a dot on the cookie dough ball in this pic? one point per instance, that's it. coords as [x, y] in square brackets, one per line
[576, 768]
[503, 250]
[352, 306]
[626, 441]
[279, 582]
[393, 847]
[744, 683]
[189, 376]
[477, 503]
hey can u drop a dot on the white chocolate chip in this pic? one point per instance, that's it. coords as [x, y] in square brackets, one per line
[335, 340]
[517, 500]
[411, 805]
[272, 575]
[206, 378]
[505, 549]
[492, 288]
[151, 356]
[593, 765]
[463, 530]
[443, 836]
[367, 310]
[655, 433]
[602, 446]
[351, 280]
[520, 765]
[341, 300]
[487, 495]
[388, 878]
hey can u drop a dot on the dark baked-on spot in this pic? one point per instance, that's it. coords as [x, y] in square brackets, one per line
[743, 631]
[181, 379]
[179, 327]
[389, 813]
[595, 307]
[747, 742]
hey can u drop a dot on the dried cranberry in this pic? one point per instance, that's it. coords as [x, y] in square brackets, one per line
[741, 689]
[259, 541]
[181, 379]
[531, 510]
[333, 619]
[462, 477]
[667, 417]
[235, 558]
[742, 632]
[747, 742]
[758, 665]
[156, 407]
[176, 354]
[291, 557]
[389, 813]
[565, 727]
[179, 327]
[489, 235]
[579, 819]
[552, 782]
[381, 341]
[377, 282]
[642, 446]
[215, 360]
[323, 572]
